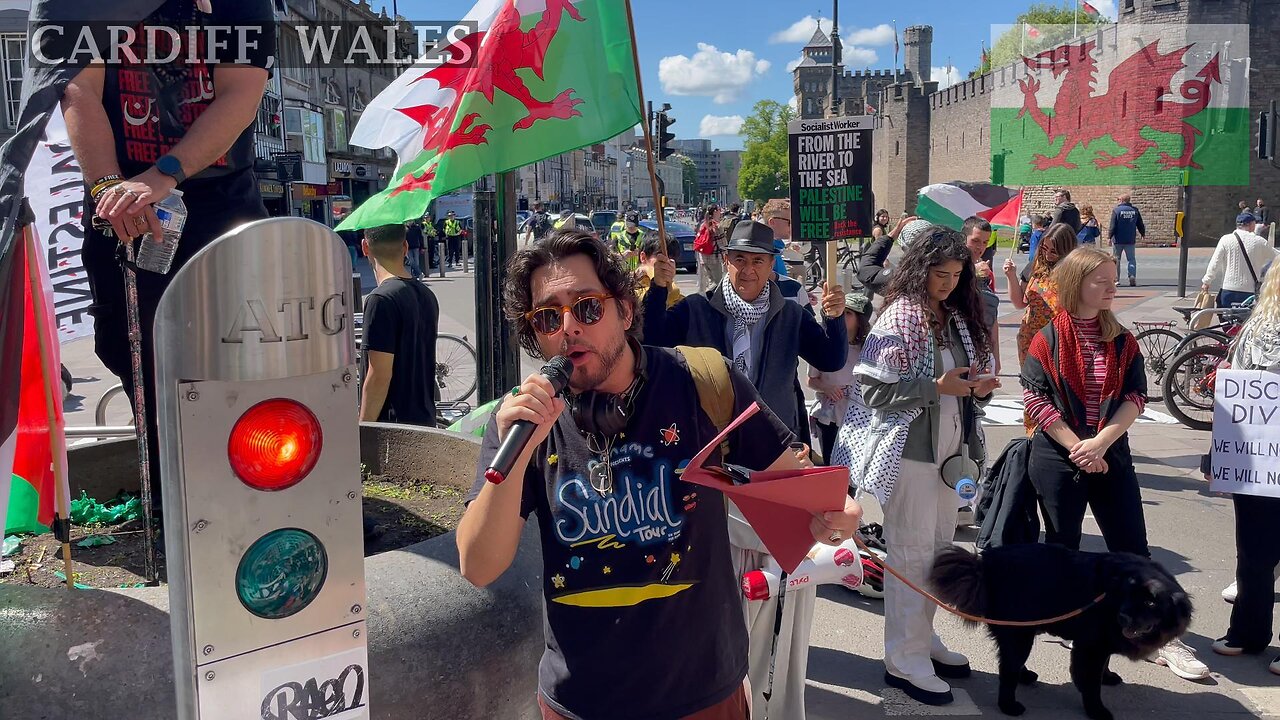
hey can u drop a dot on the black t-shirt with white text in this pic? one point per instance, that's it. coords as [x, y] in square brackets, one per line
[642, 614]
[402, 317]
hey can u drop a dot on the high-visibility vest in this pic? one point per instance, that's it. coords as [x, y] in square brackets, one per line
[624, 241]
[452, 227]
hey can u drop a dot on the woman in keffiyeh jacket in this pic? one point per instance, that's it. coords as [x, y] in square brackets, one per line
[928, 353]
[1084, 384]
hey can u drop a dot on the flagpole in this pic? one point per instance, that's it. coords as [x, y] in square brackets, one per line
[1075, 22]
[61, 513]
[648, 137]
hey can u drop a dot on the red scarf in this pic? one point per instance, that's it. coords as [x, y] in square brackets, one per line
[1069, 364]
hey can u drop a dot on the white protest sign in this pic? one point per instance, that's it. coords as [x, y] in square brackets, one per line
[1246, 446]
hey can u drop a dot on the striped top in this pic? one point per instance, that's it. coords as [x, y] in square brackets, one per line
[1094, 354]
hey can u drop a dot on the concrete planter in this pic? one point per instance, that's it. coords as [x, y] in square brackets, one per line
[438, 647]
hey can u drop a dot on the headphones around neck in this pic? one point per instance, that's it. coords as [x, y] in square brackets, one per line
[607, 414]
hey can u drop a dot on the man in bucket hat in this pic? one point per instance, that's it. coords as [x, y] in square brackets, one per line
[764, 336]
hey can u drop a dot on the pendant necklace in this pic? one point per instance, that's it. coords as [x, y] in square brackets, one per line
[600, 472]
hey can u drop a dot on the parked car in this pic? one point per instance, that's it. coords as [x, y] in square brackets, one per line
[522, 216]
[603, 220]
[685, 234]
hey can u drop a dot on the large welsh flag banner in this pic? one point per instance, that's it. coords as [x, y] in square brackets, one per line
[535, 79]
[1126, 105]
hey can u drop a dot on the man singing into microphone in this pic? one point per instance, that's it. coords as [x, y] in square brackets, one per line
[643, 614]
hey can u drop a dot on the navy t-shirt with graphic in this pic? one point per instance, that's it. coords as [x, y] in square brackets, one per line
[642, 614]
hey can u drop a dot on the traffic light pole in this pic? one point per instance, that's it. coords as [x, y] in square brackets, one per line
[496, 351]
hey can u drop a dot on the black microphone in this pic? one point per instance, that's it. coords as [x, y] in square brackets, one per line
[557, 371]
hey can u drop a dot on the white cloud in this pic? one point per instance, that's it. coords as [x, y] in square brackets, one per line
[719, 125]
[1106, 7]
[800, 31]
[721, 76]
[791, 66]
[881, 34]
[945, 76]
[794, 103]
[859, 57]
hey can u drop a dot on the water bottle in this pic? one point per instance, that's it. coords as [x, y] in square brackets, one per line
[157, 255]
[967, 489]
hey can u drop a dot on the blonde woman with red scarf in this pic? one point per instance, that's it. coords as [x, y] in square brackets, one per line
[1083, 386]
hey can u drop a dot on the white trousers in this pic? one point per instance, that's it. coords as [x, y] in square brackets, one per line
[792, 662]
[710, 271]
[919, 520]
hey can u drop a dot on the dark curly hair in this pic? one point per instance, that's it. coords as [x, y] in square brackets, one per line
[517, 298]
[908, 281]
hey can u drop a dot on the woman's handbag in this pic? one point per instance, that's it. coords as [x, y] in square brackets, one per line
[960, 466]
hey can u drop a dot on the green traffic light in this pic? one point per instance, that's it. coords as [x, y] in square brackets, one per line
[281, 573]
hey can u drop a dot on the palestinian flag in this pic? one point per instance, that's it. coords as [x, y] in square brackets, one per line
[950, 204]
[536, 79]
[26, 425]
[1167, 109]
[1090, 11]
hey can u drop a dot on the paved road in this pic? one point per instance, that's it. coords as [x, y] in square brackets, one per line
[1190, 531]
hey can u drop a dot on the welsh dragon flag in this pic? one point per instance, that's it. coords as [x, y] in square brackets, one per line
[1127, 105]
[536, 79]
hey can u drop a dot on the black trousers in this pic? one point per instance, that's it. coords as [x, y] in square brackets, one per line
[1065, 491]
[453, 246]
[209, 216]
[1257, 555]
[827, 436]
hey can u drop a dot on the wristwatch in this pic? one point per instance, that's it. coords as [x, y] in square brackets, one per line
[171, 166]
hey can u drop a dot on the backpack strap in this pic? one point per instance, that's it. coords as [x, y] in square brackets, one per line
[715, 387]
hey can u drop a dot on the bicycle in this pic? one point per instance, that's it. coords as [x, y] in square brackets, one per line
[1188, 383]
[847, 258]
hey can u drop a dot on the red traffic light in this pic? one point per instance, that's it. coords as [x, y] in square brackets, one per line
[274, 444]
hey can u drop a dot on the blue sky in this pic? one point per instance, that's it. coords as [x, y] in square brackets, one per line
[712, 60]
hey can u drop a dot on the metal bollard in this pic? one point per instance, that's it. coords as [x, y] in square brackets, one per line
[440, 256]
[466, 255]
[357, 298]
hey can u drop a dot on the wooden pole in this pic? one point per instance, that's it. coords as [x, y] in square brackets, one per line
[61, 492]
[648, 138]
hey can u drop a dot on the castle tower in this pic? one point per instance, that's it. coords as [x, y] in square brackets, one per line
[812, 77]
[918, 40]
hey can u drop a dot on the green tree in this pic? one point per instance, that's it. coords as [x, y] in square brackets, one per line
[690, 176]
[764, 174]
[1053, 23]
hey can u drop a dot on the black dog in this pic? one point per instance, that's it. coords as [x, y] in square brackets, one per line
[1143, 608]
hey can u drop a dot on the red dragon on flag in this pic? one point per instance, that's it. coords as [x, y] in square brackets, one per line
[487, 108]
[1135, 102]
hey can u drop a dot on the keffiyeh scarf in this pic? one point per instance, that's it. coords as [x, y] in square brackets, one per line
[901, 347]
[745, 316]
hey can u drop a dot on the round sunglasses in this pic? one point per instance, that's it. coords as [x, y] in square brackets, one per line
[549, 319]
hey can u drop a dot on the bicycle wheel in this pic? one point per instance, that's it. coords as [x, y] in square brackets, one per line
[1188, 385]
[1158, 346]
[456, 368]
[813, 275]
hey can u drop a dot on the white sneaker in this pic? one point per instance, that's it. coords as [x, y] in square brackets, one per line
[927, 689]
[1229, 592]
[1274, 667]
[965, 516]
[948, 663]
[1181, 660]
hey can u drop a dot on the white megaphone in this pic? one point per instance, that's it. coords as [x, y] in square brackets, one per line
[826, 565]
